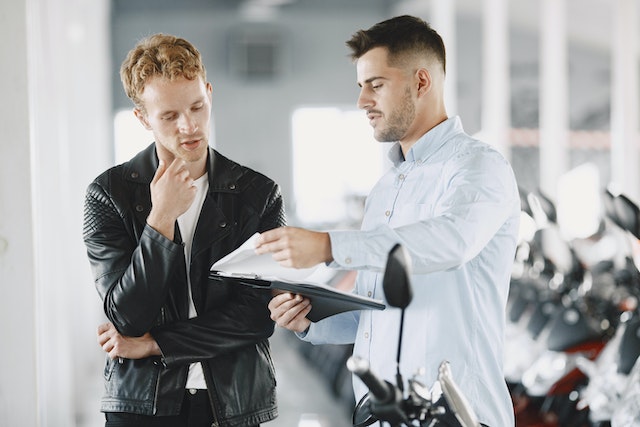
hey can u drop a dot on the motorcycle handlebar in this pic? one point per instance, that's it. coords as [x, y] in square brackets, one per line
[380, 390]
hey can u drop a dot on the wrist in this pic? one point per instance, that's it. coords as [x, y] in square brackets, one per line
[154, 348]
[162, 224]
[328, 253]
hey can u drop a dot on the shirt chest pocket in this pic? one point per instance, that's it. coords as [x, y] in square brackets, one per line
[416, 200]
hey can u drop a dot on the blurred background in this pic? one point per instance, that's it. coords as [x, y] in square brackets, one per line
[553, 84]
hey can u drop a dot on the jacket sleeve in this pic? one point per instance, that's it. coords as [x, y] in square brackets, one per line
[274, 214]
[243, 320]
[132, 293]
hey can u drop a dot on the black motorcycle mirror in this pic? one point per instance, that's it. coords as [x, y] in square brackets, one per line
[395, 282]
[397, 291]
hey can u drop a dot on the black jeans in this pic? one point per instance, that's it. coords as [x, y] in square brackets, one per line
[195, 412]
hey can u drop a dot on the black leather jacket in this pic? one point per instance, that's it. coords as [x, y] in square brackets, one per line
[141, 278]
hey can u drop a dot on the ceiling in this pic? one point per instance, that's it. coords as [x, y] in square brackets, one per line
[589, 22]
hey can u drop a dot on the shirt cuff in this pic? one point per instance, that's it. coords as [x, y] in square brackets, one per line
[342, 246]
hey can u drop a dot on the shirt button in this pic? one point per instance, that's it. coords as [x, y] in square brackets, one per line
[366, 335]
[369, 294]
[387, 213]
[347, 260]
[139, 208]
[193, 391]
[401, 176]
[223, 224]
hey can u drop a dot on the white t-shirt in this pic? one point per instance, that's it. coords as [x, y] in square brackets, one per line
[187, 223]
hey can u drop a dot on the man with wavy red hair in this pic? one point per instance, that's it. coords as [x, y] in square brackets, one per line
[183, 350]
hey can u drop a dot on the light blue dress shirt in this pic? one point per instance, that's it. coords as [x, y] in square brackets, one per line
[453, 203]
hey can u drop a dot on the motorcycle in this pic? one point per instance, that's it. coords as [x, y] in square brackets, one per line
[442, 405]
[570, 318]
[611, 391]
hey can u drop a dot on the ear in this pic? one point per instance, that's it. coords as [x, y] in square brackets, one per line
[209, 89]
[423, 81]
[142, 118]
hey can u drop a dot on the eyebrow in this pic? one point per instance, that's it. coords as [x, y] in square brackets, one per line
[163, 113]
[370, 79]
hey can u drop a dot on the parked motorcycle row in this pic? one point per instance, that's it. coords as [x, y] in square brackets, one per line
[572, 348]
[573, 336]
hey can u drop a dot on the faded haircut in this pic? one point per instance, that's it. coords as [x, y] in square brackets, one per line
[405, 37]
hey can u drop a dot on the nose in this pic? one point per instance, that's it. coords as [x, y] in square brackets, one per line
[365, 101]
[187, 124]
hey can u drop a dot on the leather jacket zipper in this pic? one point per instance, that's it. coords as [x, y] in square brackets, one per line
[158, 368]
[156, 391]
[210, 392]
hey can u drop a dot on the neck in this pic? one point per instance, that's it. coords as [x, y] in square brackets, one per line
[197, 169]
[426, 125]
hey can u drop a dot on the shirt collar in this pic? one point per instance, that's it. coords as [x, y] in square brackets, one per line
[429, 143]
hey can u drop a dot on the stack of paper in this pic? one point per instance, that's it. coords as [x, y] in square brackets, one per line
[246, 267]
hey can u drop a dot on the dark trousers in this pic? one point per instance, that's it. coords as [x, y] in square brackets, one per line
[195, 412]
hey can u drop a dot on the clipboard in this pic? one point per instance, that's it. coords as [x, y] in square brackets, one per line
[325, 300]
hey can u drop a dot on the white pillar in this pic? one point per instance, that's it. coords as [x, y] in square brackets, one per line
[444, 22]
[625, 154]
[71, 123]
[18, 371]
[496, 94]
[554, 135]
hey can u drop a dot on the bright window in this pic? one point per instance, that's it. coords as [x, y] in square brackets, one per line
[130, 136]
[336, 161]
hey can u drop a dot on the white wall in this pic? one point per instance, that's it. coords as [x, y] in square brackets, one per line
[56, 134]
[17, 284]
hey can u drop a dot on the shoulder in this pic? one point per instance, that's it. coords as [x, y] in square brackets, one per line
[480, 164]
[467, 150]
[235, 175]
[139, 168]
[102, 184]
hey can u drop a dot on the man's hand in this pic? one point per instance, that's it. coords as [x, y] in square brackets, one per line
[295, 247]
[118, 346]
[289, 311]
[172, 192]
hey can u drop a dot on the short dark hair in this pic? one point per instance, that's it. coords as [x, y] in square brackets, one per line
[402, 36]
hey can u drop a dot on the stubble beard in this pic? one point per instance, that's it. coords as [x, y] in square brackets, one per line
[399, 120]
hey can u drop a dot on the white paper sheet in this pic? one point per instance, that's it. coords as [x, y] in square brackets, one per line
[245, 262]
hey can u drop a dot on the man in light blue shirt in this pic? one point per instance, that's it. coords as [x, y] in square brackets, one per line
[450, 200]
